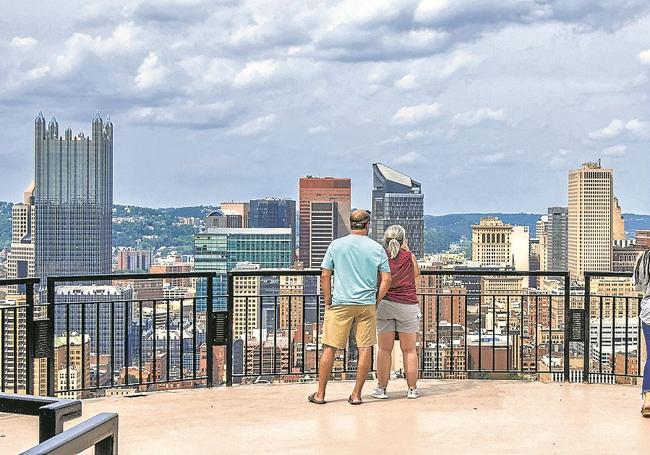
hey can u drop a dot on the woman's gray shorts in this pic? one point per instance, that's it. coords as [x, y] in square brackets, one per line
[398, 317]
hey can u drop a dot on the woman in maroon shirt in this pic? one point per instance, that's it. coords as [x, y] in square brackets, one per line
[399, 312]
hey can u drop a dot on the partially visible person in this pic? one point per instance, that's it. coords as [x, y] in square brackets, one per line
[399, 312]
[642, 283]
[356, 261]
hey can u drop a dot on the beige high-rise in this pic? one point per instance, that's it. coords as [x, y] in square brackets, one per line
[492, 242]
[618, 223]
[590, 219]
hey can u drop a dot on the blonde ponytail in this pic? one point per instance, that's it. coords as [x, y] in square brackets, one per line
[393, 239]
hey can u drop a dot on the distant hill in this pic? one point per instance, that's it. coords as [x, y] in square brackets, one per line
[152, 228]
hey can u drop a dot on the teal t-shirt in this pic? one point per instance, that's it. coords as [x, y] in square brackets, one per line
[355, 260]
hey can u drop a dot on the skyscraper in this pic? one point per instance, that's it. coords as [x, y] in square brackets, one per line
[492, 243]
[273, 213]
[323, 189]
[240, 208]
[397, 199]
[20, 263]
[557, 239]
[590, 219]
[73, 199]
[323, 229]
[618, 223]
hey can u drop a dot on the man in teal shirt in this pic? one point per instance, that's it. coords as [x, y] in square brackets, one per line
[356, 260]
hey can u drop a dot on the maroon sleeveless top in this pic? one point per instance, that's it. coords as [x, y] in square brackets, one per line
[402, 287]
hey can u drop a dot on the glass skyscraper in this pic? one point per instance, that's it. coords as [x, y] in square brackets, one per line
[397, 199]
[221, 249]
[73, 199]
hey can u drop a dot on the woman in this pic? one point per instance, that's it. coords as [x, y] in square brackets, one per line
[398, 312]
[642, 282]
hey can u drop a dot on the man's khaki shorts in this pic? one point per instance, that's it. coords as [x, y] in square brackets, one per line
[341, 319]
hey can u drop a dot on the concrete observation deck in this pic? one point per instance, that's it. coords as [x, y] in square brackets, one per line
[455, 417]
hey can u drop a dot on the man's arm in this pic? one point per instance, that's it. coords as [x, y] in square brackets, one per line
[384, 286]
[326, 285]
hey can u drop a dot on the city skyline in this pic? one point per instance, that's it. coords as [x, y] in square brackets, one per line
[261, 92]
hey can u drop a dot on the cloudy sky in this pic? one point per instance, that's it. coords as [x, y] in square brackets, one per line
[487, 102]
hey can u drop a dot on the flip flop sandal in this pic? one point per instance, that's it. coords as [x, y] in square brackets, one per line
[312, 399]
[353, 402]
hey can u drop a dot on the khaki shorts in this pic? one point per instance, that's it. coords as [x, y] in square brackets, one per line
[398, 317]
[341, 319]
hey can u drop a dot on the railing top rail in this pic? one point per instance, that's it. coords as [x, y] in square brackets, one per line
[608, 274]
[18, 281]
[449, 272]
[128, 276]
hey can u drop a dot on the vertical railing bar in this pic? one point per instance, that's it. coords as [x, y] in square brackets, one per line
[567, 344]
[627, 332]
[536, 339]
[508, 356]
[16, 334]
[550, 334]
[29, 333]
[612, 361]
[245, 335]
[83, 346]
[275, 334]
[302, 337]
[67, 344]
[126, 362]
[194, 338]
[317, 329]
[289, 344]
[154, 372]
[181, 353]
[587, 334]
[112, 343]
[423, 347]
[3, 351]
[451, 345]
[97, 349]
[168, 347]
[140, 342]
[437, 362]
[521, 330]
[494, 332]
[600, 336]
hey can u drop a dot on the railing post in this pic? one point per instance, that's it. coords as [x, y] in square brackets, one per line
[29, 334]
[51, 297]
[209, 316]
[229, 331]
[587, 334]
[567, 326]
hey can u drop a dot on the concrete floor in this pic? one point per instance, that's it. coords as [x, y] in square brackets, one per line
[452, 417]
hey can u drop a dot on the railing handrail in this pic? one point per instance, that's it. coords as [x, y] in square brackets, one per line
[608, 274]
[315, 272]
[128, 276]
[18, 281]
[100, 431]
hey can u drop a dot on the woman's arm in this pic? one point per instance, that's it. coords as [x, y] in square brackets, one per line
[416, 266]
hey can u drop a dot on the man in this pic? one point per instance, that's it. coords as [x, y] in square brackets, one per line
[355, 260]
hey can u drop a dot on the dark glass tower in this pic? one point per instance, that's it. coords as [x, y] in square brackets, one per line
[397, 199]
[273, 213]
[557, 245]
[73, 199]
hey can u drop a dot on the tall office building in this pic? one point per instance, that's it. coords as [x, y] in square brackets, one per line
[20, 262]
[221, 249]
[240, 208]
[323, 189]
[618, 223]
[492, 243]
[323, 229]
[273, 213]
[590, 219]
[541, 234]
[246, 303]
[133, 259]
[557, 244]
[73, 199]
[397, 199]
[520, 245]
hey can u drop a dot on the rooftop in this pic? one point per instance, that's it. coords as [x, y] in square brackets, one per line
[465, 416]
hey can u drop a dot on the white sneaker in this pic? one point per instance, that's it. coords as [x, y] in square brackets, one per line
[413, 394]
[379, 393]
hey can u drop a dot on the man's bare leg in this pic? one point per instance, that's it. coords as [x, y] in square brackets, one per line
[325, 370]
[363, 367]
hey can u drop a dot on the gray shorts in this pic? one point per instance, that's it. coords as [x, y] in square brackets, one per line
[398, 317]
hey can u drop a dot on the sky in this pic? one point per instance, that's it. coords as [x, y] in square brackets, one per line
[488, 103]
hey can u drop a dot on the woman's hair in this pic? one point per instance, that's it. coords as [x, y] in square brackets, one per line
[393, 238]
[642, 269]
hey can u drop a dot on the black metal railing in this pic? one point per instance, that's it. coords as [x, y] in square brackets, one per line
[475, 324]
[471, 334]
[105, 337]
[17, 337]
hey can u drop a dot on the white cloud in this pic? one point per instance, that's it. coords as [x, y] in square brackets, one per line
[637, 126]
[457, 61]
[407, 158]
[493, 157]
[150, 73]
[614, 128]
[255, 72]
[253, 127]
[317, 129]
[37, 73]
[615, 150]
[472, 118]
[407, 82]
[23, 42]
[644, 57]
[408, 115]
[430, 9]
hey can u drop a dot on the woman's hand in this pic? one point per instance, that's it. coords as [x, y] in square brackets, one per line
[405, 246]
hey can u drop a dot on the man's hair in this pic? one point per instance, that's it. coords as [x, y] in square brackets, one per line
[359, 219]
